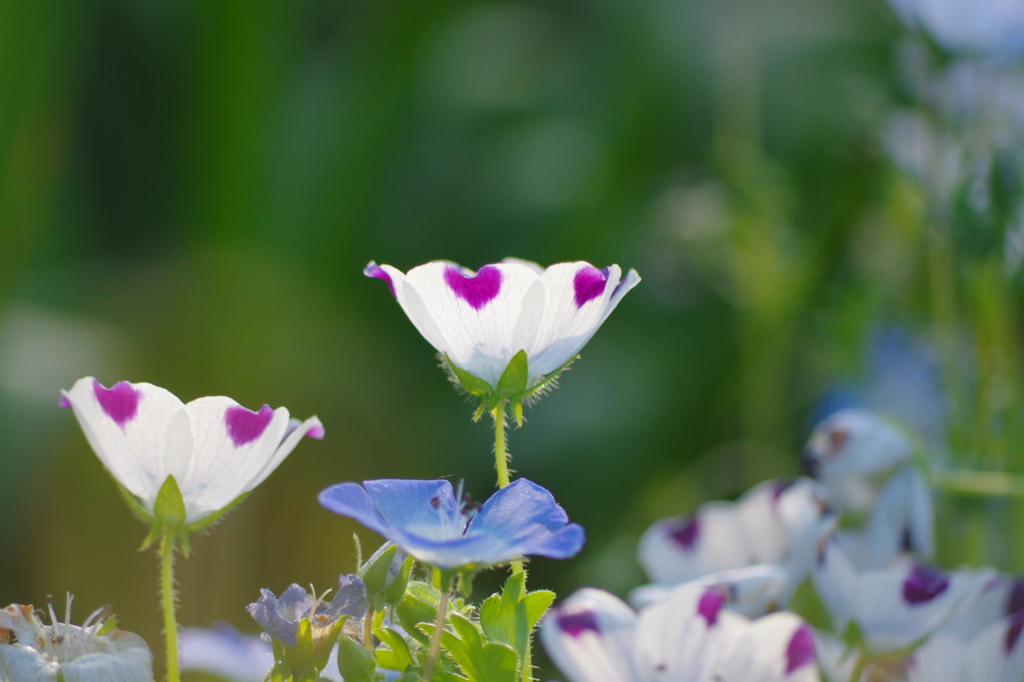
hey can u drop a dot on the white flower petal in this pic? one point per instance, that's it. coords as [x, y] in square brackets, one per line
[474, 315]
[126, 659]
[226, 652]
[776, 648]
[856, 442]
[126, 425]
[590, 637]
[902, 519]
[24, 664]
[231, 447]
[676, 637]
[680, 548]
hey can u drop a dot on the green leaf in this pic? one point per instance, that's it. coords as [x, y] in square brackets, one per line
[355, 663]
[504, 618]
[419, 605]
[537, 604]
[375, 577]
[210, 520]
[480, 661]
[396, 590]
[473, 384]
[397, 657]
[169, 508]
[513, 379]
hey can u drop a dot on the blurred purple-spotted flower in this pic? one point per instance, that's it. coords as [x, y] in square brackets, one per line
[424, 519]
[215, 448]
[70, 653]
[280, 618]
[594, 637]
[895, 607]
[480, 320]
[225, 652]
[865, 465]
[989, 27]
[777, 523]
[993, 655]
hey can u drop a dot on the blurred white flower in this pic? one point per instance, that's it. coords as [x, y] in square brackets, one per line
[989, 27]
[62, 652]
[594, 637]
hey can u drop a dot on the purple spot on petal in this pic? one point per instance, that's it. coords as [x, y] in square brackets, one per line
[120, 401]
[923, 584]
[800, 650]
[710, 604]
[686, 534]
[316, 432]
[245, 426]
[575, 624]
[476, 290]
[374, 270]
[1013, 632]
[1016, 600]
[65, 403]
[588, 284]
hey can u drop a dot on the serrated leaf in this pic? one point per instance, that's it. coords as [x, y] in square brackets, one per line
[481, 662]
[474, 384]
[169, 508]
[513, 379]
[537, 604]
[504, 618]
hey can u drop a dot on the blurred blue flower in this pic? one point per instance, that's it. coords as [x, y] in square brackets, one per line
[280, 618]
[423, 518]
[988, 27]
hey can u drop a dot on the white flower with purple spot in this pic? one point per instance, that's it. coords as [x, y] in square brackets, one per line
[594, 637]
[62, 652]
[777, 522]
[480, 320]
[993, 655]
[215, 449]
[895, 608]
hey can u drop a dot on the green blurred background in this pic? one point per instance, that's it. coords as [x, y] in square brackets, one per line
[189, 192]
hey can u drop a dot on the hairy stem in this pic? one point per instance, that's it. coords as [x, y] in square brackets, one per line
[435, 640]
[169, 605]
[368, 629]
[500, 445]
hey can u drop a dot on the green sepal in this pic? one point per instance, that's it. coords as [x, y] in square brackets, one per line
[355, 663]
[322, 646]
[137, 509]
[473, 384]
[513, 379]
[517, 408]
[300, 656]
[375, 577]
[281, 672]
[397, 656]
[211, 519]
[156, 531]
[481, 661]
[394, 592]
[169, 508]
[109, 625]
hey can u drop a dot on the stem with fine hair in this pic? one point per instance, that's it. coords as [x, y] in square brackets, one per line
[501, 460]
[435, 640]
[368, 629]
[167, 598]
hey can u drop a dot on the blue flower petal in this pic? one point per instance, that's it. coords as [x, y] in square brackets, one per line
[350, 597]
[350, 499]
[424, 509]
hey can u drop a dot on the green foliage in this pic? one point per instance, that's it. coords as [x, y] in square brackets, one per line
[355, 663]
[480, 660]
[513, 379]
[397, 656]
[510, 617]
[169, 507]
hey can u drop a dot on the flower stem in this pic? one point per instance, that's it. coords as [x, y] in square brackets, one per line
[500, 445]
[368, 630]
[435, 640]
[169, 605]
[501, 460]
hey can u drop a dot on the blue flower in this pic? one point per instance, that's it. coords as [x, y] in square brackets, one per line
[423, 518]
[280, 618]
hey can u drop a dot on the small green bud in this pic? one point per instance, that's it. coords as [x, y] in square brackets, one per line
[375, 575]
[396, 590]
